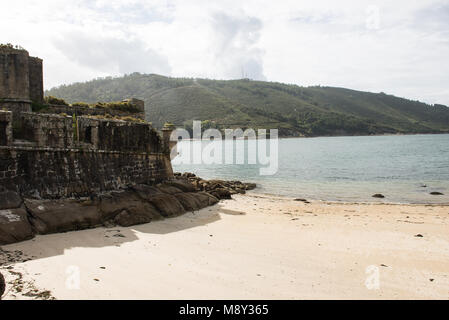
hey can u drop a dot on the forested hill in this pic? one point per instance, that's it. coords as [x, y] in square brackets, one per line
[295, 110]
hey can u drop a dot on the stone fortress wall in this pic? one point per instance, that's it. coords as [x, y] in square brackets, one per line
[21, 79]
[36, 79]
[74, 170]
[56, 156]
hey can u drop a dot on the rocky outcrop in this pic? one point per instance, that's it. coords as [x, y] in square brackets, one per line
[51, 216]
[14, 224]
[22, 218]
[167, 204]
[221, 189]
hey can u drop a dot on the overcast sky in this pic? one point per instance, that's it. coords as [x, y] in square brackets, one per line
[399, 47]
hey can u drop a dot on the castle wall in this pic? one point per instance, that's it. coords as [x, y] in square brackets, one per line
[5, 128]
[128, 136]
[44, 156]
[45, 130]
[16, 106]
[36, 80]
[86, 111]
[54, 156]
[58, 173]
[14, 72]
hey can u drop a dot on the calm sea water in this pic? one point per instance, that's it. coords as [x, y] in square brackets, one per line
[403, 168]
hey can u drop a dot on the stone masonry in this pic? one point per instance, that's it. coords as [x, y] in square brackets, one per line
[68, 172]
[21, 79]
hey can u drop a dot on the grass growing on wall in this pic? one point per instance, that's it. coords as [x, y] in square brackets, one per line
[55, 101]
[123, 106]
[120, 106]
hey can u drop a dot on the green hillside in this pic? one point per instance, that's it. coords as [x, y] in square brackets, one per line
[294, 110]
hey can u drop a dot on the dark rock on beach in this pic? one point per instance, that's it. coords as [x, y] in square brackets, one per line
[419, 235]
[21, 219]
[169, 189]
[189, 201]
[378, 195]
[112, 203]
[220, 189]
[168, 205]
[206, 199]
[127, 218]
[14, 226]
[302, 200]
[183, 185]
[51, 216]
[435, 193]
[144, 191]
[221, 193]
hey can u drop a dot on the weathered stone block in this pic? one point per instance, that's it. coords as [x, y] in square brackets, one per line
[14, 226]
[167, 204]
[51, 216]
[183, 185]
[164, 188]
[9, 199]
[189, 201]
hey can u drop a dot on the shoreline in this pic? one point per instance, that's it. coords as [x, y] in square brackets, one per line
[444, 204]
[335, 136]
[250, 247]
[369, 135]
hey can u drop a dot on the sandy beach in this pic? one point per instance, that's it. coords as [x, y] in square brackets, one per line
[252, 247]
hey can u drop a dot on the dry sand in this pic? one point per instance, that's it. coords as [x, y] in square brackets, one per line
[252, 247]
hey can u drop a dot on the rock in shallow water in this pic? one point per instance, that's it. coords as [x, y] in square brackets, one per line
[378, 195]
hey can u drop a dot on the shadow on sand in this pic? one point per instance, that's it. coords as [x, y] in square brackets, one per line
[44, 246]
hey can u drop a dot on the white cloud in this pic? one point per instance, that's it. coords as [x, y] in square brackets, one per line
[305, 42]
[111, 55]
[235, 50]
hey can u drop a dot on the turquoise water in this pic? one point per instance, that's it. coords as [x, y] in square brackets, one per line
[403, 168]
